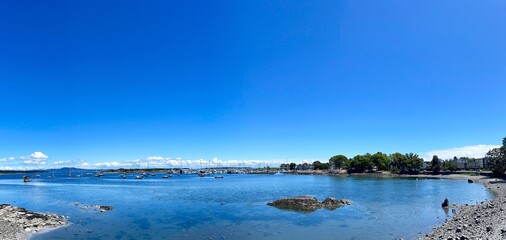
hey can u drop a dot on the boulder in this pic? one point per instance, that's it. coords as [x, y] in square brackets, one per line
[302, 203]
[333, 203]
[445, 203]
[308, 203]
[105, 208]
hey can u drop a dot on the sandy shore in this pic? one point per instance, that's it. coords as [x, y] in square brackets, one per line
[19, 223]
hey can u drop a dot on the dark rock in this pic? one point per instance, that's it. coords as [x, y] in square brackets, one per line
[303, 203]
[332, 203]
[308, 203]
[489, 229]
[445, 203]
[105, 208]
[470, 181]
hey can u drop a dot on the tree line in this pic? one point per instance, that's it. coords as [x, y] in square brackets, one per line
[404, 163]
[396, 162]
[497, 158]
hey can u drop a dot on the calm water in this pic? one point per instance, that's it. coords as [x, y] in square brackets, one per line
[191, 207]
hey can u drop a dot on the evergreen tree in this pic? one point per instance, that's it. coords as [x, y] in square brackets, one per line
[436, 164]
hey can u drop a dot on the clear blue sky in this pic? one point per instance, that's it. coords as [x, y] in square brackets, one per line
[119, 80]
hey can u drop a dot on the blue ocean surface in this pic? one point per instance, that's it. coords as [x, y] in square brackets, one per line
[234, 207]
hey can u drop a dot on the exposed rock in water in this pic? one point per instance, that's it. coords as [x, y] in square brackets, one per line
[303, 203]
[470, 181]
[332, 203]
[308, 203]
[105, 208]
[445, 203]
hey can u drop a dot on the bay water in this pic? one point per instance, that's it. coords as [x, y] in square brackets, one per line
[234, 207]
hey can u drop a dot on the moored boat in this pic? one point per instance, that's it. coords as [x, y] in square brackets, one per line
[26, 179]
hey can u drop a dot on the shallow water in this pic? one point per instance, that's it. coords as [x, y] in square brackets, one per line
[191, 207]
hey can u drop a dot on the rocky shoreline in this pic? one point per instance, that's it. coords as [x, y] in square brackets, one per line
[19, 223]
[486, 220]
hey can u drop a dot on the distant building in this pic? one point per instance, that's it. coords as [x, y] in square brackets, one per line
[486, 163]
[427, 165]
[469, 163]
[460, 163]
[476, 163]
[304, 166]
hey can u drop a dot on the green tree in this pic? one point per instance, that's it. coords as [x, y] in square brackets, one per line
[381, 160]
[436, 164]
[338, 161]
[283, 166]
[293, 166]
[317, 165]
[361, 163]
[497, 158]
[413, 162]
[397, 160]
[449, 165]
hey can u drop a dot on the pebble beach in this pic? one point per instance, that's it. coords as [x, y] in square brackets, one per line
[486, 220]
[19, 223]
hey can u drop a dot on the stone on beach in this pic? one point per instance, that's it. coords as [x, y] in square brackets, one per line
[485, 220]
[14, 221]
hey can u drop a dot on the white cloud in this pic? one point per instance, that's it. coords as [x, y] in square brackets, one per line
[7, 168]
[71, 163]
[167, 162]
[111, 165]
[36, 158]
[7, 159]
[475, 151]
[38, 155]
[155, 158]
[39, 160]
